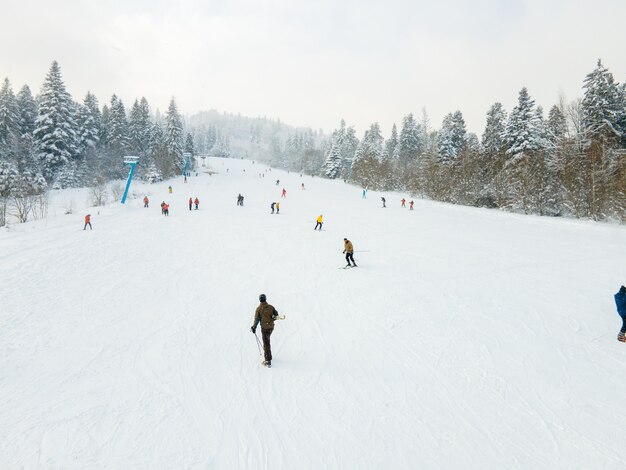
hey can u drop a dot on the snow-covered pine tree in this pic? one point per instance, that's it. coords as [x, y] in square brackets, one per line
[139, 127]
[9, 121]
[332, 164]
[190, 149]
[525, 170]
[88, 123]
[157, 157]
[118, 129]
[8, 181]
[556, 128]
[105, 126]
[392, 142]
[522, 133]
[493, 152]
[604, 116]
[174, 140]
[27, 113]
[366, 165]
[410, 144]
[55, 127]
[451, 138]
[603, 106]
[493, 137]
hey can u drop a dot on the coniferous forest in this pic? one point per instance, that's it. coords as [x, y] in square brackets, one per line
[569, 162]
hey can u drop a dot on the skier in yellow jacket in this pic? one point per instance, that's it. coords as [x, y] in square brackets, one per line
[319, 223]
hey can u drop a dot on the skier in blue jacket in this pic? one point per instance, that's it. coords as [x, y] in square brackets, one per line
[620, 302]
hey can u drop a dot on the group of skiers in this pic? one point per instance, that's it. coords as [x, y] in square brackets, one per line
[195, 201]
[402, 203]
[275, 206]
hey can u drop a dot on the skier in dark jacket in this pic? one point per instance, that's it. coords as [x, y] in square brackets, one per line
[272, 206]
[620, 302]
[265, 314]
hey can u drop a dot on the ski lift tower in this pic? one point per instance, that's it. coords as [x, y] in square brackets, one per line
[132, 161]
[187, 157]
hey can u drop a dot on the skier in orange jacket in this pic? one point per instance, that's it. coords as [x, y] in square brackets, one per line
[145, 201]
[196, 202]
[88, 222]
[190, 203]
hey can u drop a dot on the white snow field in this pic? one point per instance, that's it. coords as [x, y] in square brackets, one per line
[466, 338]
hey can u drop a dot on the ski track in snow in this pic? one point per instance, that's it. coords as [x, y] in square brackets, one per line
[466, 338]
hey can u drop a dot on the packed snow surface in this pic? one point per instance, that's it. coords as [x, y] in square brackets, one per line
[466, 338]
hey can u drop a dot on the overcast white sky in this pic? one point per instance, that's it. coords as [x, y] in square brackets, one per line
[313, 62]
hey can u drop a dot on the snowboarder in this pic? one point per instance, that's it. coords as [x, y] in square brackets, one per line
[348, 249]
[410, 205]
[88, 222]
[196, 201]
[190, 203]
[403, 202]
[319, 222]
[145, 201]
[166, 209]
[169, 188]
[620, 302]
[272, 206]
[265, 314]
[284, 193]
[383, 199]
[278, 207]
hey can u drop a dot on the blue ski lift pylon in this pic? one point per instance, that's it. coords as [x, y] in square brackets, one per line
[187, 157]
[132, 161]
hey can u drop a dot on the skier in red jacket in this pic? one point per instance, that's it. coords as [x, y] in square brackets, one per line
[88, 222]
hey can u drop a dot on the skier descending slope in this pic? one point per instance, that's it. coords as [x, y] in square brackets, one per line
[265, 315]
[348, 249]
[620, 302]
[320, 221]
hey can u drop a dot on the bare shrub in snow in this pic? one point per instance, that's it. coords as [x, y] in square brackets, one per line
[97, 193]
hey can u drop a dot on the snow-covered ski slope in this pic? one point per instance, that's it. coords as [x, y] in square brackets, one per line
[466, 338]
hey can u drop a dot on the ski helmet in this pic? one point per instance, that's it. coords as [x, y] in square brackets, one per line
[262, 298]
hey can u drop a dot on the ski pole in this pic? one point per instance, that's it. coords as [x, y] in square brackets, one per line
[258, 343]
